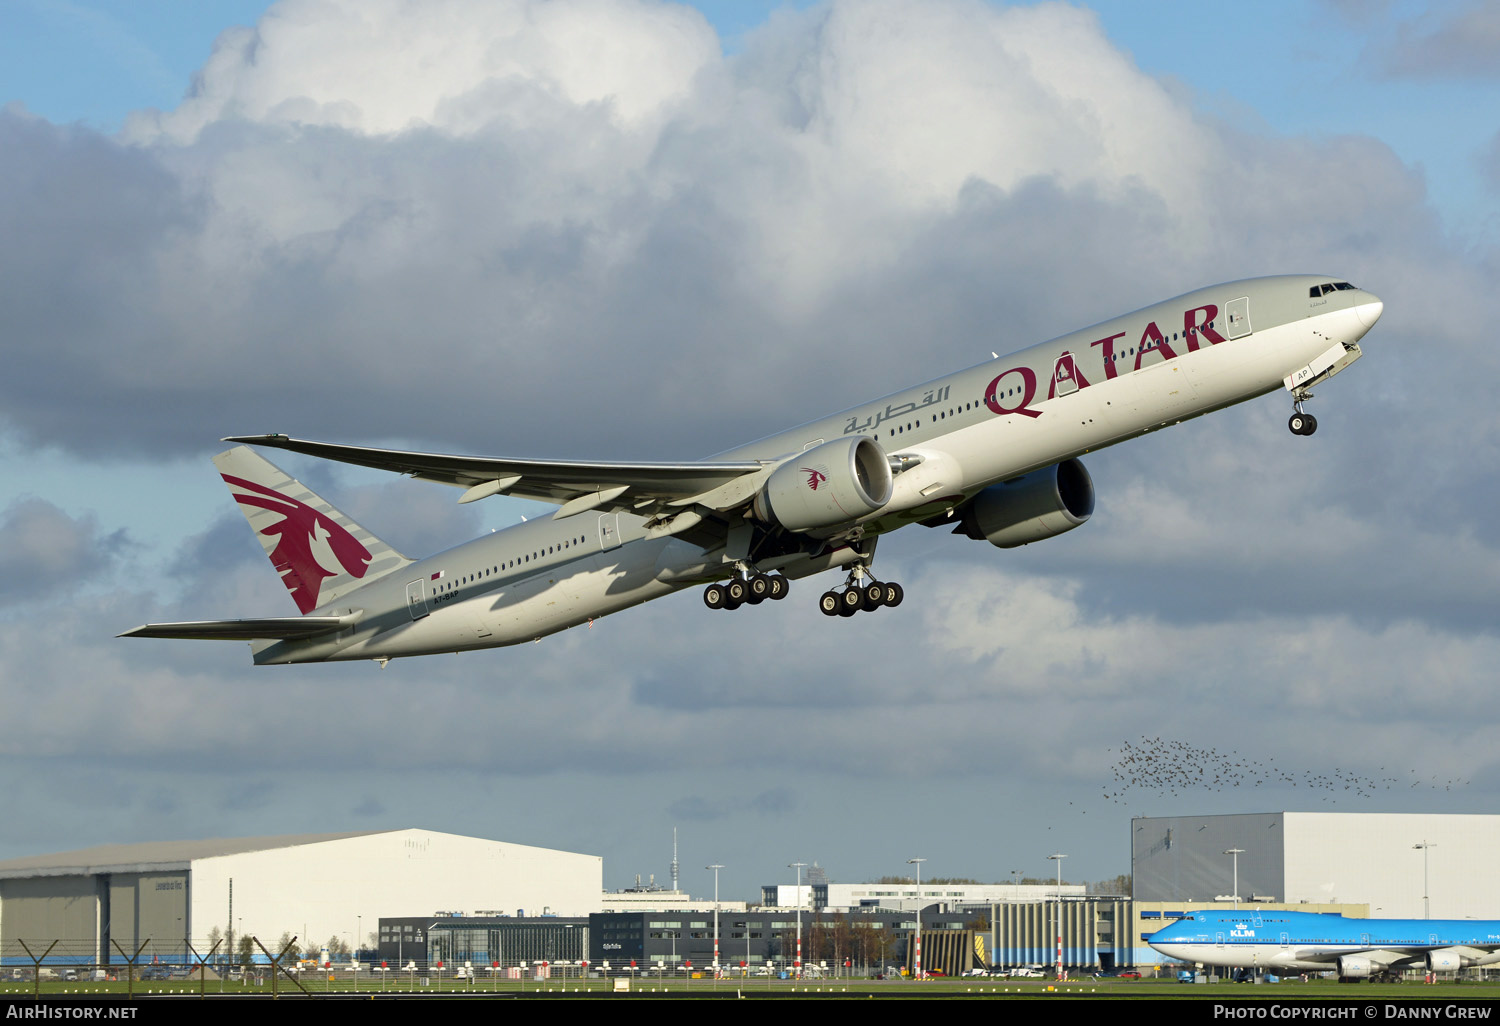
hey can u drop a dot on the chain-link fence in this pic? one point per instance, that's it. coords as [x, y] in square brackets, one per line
[44, 968]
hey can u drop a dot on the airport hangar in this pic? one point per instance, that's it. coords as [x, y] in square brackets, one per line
[1388, 861]
[312, 886]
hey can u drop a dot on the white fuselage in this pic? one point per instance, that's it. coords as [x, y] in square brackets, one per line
[989, 423]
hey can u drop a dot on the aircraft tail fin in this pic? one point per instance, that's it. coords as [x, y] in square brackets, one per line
[319, 552]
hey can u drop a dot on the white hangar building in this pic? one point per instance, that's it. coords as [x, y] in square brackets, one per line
[1390, 861]
[314, 886]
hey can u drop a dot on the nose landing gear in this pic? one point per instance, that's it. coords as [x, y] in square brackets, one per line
[1302, 423]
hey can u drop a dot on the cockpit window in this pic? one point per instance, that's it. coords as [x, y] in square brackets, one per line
[1329, 286]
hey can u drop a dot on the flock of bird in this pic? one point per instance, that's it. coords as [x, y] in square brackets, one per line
[1159, 767]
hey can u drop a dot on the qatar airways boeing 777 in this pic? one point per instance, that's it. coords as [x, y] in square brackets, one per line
[991, 451]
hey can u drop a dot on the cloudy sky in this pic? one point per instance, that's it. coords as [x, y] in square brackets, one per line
[619, 229]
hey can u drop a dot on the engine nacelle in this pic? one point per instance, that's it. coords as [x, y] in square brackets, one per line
[1447, 960]
[1358, 966]
[1043, 504]
[826, 486]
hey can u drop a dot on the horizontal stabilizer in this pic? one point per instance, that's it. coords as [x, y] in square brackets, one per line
[259, 629]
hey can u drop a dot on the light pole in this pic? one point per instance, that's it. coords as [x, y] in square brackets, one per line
[916, 964]
[1236, 853]
[716, 867]
[1015, 884]
[797, 965]
[1057, 922]
[1426, 902]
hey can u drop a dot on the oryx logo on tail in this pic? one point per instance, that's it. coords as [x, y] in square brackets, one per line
[310, 546]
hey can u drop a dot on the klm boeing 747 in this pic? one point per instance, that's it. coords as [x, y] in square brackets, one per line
[991, 452]
[1312, 942]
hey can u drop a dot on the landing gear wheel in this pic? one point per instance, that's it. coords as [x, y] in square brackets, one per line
[779, 588]
[1298, 424]
[759, 587]
[893, 595]
[850, 601]
[713, 596]
[735, 593]
[1312, 424]
[873, 597]
[829, 603]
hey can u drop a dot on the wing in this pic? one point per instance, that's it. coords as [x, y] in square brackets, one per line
[575, 486]
[273, 627]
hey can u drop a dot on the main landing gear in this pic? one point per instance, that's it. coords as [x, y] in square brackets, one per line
[1302, 423]
[860, 595]
[750, 589]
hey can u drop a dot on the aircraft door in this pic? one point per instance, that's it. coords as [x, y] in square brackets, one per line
[609, 531]
[416, 599]
[1238, 312]
[1064, 375]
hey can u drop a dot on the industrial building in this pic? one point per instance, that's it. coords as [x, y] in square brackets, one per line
[426, 896]
[1402, 865]
[316, 887]
[758, 941]
[479, 941]
[907, 896]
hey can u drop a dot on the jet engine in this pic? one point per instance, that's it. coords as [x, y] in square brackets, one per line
[1358, 966]
[827, 486]
[1039, 505]
[1447, 960]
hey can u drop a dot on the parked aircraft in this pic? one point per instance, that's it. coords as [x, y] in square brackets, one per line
[1314, 942]
[991, 451]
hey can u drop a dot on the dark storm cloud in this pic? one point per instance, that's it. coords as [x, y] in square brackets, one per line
[534, 276]
[1461, 43]
[696, 807]
[227, 544]
[45, 552]
[776, 802]
[1489, 163]
[369, 806]
[871, 195]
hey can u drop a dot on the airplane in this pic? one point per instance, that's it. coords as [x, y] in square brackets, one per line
[1320, 942]
[991, 451]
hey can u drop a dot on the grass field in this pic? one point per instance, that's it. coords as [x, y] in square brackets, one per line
[761, 987]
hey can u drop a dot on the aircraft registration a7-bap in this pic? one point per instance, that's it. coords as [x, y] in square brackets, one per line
[991, 451]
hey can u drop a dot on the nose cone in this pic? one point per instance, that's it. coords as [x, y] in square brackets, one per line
[1369, 310]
